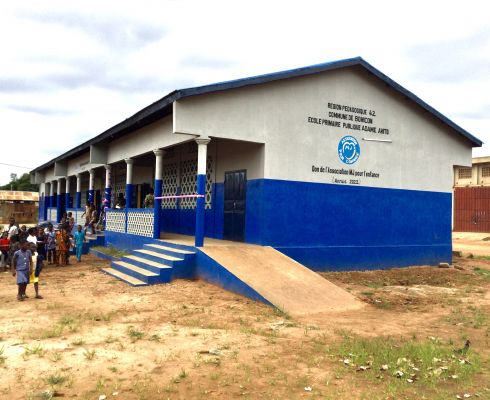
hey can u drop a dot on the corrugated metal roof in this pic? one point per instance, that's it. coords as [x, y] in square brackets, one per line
[163, 107]
[8, 195]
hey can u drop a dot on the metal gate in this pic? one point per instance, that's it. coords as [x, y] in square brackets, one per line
[472, 209]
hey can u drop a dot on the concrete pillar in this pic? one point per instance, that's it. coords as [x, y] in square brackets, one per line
[47, 200]
[202, 147]
[67, 192]
[91, 194]
[78, 200]
[108, 186]
[129, 182]
[59, 208]
[157, 204]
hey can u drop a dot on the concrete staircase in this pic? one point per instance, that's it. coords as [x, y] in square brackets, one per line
[158, 262]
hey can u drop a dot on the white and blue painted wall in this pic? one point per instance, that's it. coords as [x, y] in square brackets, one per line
[388, 203]
[343, 171]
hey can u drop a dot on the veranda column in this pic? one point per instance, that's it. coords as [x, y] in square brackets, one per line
[78, 200]
[67, 192]
[129, 182]
[202, 146]
[108, 186]
[91, 186]
[157, 204]
[47, 199]
[51, 194]
[59, 209]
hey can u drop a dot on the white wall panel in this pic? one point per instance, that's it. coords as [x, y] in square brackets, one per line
[420, 156]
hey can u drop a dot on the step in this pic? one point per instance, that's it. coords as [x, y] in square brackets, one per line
[150, 265]
[177, 246]
[134, 268]
[171, 251]
[158, 257]
[142, 274]
[124, 277]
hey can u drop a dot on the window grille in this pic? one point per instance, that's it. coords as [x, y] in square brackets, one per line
[464, 173]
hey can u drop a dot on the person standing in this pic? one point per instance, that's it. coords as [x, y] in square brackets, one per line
[93, 219]
[32, 236]
[79, 241]
[86, 213]
[50, 244]
[71, 223]
[41, 244]
[11, 229]
[22, 267]
[60, 247]
[37, 265]
[4, 249]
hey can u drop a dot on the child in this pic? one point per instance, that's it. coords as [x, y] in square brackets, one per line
[50, 244]
[79, 240]
[31, 235]
[60, 248]
[37, 266]
[22, 266]
[23, 233]
[41, 244]
[4, 248]
[67, 239]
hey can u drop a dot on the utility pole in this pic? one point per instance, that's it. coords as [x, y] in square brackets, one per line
[13, 177]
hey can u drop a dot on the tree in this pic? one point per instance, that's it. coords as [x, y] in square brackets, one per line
[22, 184]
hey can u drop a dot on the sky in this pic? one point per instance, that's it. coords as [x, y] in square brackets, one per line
[71, 70]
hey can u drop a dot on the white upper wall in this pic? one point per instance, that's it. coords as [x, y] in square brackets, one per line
[154, 136]
[281, 114]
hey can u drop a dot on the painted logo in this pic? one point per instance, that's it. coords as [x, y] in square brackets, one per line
[349, 150]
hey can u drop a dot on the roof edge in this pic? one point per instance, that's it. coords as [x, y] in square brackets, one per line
[159, 106]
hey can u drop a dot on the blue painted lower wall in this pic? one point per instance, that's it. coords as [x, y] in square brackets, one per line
[326, 226]
[126, 241]
[209, 270]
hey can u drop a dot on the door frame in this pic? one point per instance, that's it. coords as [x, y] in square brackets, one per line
[244, 170]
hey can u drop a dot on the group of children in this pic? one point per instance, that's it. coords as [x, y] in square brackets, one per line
[26, 254]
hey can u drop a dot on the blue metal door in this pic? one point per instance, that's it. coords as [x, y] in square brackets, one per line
[235, 188]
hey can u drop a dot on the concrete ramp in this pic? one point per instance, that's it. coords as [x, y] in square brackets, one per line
[282, 281]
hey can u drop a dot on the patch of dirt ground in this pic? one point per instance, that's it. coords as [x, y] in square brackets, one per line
[93, 335]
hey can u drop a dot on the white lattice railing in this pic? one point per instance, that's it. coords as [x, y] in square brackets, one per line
[140, 221]
[115, 221]
[76, 213]
[52, 214]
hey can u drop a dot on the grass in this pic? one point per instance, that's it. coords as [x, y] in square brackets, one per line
[89, 354]
[484, 273]
[403, 363]
[134, 334]
[155, 338]
[182, 375]
[78, 342]
[37, 350]
[470, 316]
[56, 379]
[2, 357]
[111, 251]
[52, 332]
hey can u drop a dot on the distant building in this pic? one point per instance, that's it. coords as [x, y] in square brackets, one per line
[23, 206]
[472, 196]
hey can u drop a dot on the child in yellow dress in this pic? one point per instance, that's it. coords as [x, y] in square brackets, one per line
[36, 270]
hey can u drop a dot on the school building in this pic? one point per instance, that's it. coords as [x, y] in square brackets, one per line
[334, 165]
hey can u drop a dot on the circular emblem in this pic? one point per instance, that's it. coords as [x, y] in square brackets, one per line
[349, 150]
